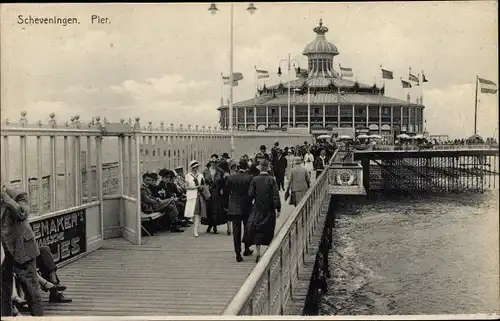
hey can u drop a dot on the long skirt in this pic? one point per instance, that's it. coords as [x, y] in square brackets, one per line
[191, 196]
[260, 228]
[296, 197]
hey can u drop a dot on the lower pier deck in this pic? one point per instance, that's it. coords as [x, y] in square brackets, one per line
[170, 274]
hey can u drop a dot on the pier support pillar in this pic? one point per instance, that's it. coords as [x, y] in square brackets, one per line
[366, 175]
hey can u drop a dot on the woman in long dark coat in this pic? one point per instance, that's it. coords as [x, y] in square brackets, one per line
[219, 199]
[262, 220]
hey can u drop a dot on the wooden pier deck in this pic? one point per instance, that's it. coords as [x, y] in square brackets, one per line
[170, 274]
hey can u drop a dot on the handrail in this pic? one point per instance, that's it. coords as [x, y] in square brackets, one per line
[237, 304]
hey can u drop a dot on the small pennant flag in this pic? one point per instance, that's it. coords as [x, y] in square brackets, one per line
[346, 72]
[261, 74]
[227, 81]
[413, 78]
[405, 84]
[423, 77]
[487, 86]
[386, 74]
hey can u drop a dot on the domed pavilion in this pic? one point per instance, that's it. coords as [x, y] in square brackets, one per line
[324, 102]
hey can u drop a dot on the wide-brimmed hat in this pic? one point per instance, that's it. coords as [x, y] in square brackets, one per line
[194, 164]
[225, 155]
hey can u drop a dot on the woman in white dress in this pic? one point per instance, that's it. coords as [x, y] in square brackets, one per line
[194, 182]
[290, 162]
[309, 162]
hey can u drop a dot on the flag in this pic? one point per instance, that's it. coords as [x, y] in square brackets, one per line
[227, 81]
[405, 84]
[386, 74]
[346, 72]
[423, 77]
[412, 78]
[237, 76]
[261, 74]
[487, 86]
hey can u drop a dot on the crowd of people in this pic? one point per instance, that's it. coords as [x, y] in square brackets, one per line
[27, 269]
[243, 195]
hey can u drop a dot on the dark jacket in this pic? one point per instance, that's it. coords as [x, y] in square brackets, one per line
[262, 220]
[237, 186]
[17, 236]
[148, 200]
[318, 164]
[280, 166]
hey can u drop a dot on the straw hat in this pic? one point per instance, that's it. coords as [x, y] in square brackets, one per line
[194, 164]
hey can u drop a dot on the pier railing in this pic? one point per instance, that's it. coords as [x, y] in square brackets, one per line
[269, 287]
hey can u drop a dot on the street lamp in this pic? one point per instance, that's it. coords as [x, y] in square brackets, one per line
[213, 10]
[289, 62]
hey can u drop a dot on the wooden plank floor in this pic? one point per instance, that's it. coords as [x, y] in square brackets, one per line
[170, 274]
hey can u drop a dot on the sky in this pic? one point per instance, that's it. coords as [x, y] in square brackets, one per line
[162, 62]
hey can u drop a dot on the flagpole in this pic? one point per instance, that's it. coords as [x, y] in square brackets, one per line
[221, 89]
[309, 108]
[231, 78]
[475, 111]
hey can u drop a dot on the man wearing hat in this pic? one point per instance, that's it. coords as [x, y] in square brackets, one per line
[264, 152]
[225, 156]
[240, 205]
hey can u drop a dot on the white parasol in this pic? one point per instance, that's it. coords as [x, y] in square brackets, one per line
[375, 136]
[344, 137]
[404, 136]
[363, 136]
[323, 137]
[418, 136]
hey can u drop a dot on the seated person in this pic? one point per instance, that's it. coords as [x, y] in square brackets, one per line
[150, 203]
[49, 281]
[47, 278]
[168, 189]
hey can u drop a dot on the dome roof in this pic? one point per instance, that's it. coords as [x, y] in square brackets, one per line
[320, 44]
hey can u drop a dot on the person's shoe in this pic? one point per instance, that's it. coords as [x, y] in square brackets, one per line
[215, 230]
[176, 230]
[257, 259]
[247, 252]
[209, 228]
[58, 287]
[56, 297]
[20, 304]
[228, 232]
[238, 257]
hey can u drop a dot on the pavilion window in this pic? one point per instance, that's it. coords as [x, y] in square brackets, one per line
[250, 112]
[320, 64]
[316, 111]
[273, 111]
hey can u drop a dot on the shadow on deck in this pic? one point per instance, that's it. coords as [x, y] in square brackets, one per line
[170, 274]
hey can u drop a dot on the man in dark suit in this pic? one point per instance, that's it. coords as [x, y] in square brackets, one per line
[239, 205]
[21, 251]
[279, 167]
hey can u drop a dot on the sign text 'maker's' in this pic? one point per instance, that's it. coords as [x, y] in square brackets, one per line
[64, 234]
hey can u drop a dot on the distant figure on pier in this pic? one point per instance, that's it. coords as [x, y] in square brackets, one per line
[266, 205]
[280, 165]
[21, 251]
[219, 200]
[309, 162]
[196, 196]
[263, 151]
[240, 206]
[289, 162]
[299, 183]
[320, 163]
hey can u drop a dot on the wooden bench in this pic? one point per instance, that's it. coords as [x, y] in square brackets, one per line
[150, 223]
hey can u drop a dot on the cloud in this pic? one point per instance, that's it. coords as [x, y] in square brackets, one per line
[165, 60]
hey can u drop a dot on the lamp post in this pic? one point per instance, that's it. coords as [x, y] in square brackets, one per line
[213, 10]
[289, 62]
